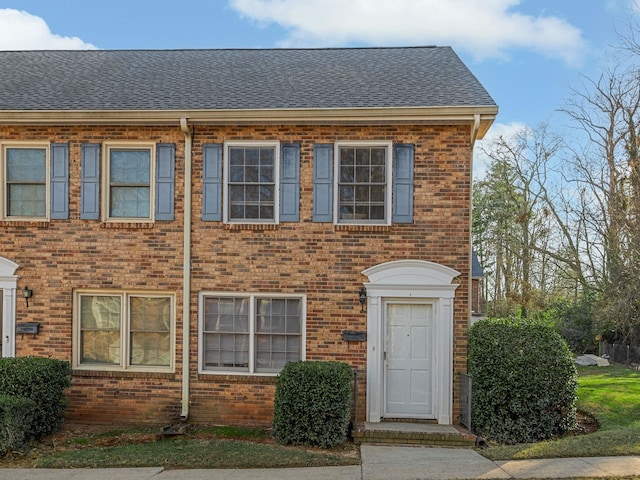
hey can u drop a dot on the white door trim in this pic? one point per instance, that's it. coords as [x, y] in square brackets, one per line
[425, 282]
[8, 285]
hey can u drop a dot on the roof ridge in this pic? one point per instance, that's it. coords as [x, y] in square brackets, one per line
[234, 49]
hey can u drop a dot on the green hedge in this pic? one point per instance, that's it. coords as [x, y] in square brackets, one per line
[15, 413]
[524, 381]
[313, 403]
[42, 380]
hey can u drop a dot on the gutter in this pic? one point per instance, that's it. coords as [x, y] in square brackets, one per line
[186, 270]
[311, 116]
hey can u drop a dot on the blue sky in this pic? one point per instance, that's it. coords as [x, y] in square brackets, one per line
[527, 53]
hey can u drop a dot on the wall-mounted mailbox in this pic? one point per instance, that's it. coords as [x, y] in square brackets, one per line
[28, 327]
[351, 336]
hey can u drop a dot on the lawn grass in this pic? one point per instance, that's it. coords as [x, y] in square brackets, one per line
[612, 395]
[202, 447]
[193, 453]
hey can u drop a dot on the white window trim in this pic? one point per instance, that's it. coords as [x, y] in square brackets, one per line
[124, 332]
[225, 183]
[3, 173]
[105, 187]
[252, 333]
[389, 180]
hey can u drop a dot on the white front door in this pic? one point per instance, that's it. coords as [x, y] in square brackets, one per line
[409, 374]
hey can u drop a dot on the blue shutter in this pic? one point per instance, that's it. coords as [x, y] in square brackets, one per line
[165, 183]
[212, 182]
[290, 183]
[59, 181]
[90, 178]
[403, 183]
[323, 183]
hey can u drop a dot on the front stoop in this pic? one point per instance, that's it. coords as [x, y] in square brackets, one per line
[413, 434]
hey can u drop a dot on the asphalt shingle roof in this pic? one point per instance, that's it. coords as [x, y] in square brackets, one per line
[237, 79]
[476, 268]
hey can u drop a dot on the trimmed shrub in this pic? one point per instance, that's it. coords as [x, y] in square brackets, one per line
[15, 413]
[524, 381]
[313, 403]
[42, 380]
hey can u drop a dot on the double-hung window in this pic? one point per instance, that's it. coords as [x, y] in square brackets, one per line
[252, 182]
[25, 175]
[363, 173]
[250, 333]
[123, 331]
[129, 182]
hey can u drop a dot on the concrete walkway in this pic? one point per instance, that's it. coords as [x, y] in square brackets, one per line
[378, 463]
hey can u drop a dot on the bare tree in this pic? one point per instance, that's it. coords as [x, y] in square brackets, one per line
[552, 220]
[515, 221]
[608, 112]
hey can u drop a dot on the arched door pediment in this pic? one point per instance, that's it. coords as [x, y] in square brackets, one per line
[7, 267]
[411, 272]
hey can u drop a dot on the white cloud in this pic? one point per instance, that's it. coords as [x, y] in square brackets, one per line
[486, 29]
[19, 30]
[505, 130]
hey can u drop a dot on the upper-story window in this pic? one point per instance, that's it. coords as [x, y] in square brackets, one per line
[129, 182]
[252, 182]
[25, 176]
[364, 181]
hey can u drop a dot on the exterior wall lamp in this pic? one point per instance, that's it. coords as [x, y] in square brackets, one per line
[27, 293]
[363, 298]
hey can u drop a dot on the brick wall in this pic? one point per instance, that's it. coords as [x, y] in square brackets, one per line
[60, 256]
[320, 260]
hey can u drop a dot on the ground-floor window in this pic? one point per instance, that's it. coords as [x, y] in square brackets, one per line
[250, 333]
[123, 331]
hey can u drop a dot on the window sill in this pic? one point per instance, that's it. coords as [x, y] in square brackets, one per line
[251, 226]
[240, 377]
[25, 223]
[121, 374]
[362, 228]
[126, 225]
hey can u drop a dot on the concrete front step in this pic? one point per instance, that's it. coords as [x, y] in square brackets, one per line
[412, 434]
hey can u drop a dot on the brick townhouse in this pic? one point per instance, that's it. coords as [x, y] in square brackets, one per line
[181, 224]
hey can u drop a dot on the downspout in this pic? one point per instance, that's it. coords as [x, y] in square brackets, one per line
[186, 270]
[474, 136]
[474, 131]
